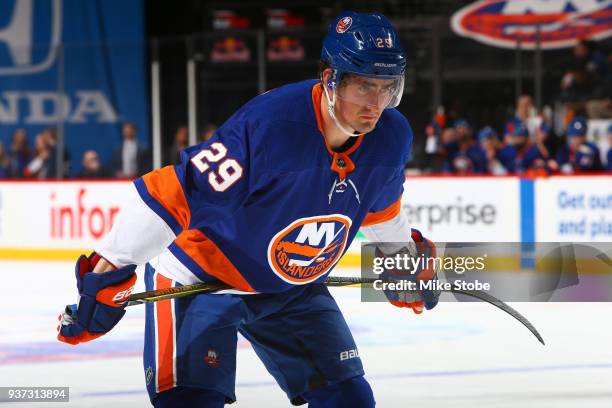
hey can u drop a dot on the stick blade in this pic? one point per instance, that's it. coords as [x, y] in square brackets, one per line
[478, 294]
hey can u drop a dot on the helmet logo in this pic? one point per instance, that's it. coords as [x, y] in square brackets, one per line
[344, 24]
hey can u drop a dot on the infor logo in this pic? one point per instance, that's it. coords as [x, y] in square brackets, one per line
[308, 248]
[30, 33]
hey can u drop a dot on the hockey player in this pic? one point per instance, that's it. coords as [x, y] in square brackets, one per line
[512, 155]
[578, 155]
[464, 156]
[539, 158]
[489, 144]
[268, 205]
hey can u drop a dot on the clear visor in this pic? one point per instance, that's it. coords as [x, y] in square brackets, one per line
[374, 92]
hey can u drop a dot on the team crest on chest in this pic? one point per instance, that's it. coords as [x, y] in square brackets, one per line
[308, 247]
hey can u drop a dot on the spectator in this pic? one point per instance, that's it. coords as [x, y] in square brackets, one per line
[207, 133]
[181, 141]
[464, 156]
[512, 155]
[578, 155]
[50, 136]
[489, 143]
[432, 131]
[448, 147]
[132, 158]
[20, 153]
[432, 146]
[525, 114]
[585, 83]
[5, 163]
[539, 158]
[609, 155]
[92, 167]
[38, 167]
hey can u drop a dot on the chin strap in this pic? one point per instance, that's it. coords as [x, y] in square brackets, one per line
[331, 103]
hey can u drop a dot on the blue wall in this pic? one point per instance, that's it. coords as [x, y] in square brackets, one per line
[102, 57]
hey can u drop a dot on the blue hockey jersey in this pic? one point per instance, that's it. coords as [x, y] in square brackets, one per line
[585, 159]
[266, 204]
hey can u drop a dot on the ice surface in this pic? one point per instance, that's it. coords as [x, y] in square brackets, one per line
[459, 355]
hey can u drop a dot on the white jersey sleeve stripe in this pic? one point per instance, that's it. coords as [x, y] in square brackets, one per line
[137, 235]
[397, 229]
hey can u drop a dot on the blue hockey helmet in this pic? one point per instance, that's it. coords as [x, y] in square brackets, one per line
[462, 123]
[577, 127]
[365, 44]
[486, 133]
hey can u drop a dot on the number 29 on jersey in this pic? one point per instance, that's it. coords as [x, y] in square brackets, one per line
[228, 172]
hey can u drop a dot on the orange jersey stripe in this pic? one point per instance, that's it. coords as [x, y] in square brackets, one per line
[165, 337]
[317, 94]
[164, 186]
[384, 215]
[299, 249]
[209, 257]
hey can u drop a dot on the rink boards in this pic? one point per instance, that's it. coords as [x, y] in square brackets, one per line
[58, 220]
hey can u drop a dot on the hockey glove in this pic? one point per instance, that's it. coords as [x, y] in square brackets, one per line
[422, 250]
[101, 304]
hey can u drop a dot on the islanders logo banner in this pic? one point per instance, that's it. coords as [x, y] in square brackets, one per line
[308, 247]
[502, 23]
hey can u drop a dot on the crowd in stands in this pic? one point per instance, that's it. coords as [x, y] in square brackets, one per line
[526, 144]
[586, 84]
[131, 158]
[40, 162]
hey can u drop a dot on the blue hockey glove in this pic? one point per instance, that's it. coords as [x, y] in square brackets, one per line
[102, 301]
[422, 298]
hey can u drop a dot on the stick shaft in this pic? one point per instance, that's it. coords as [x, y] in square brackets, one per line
[210, 287]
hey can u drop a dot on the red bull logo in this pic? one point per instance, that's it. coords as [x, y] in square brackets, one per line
[308, 248]
[561, 22]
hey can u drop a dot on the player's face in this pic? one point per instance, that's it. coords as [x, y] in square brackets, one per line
[361, 101]
[519, 141]
[463, 133]
[577, 141]
[486, 144]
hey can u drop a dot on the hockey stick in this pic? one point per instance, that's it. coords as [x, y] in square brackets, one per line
[209, 287]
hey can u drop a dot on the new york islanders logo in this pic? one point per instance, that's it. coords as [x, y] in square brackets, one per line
[561, 22]
[308, 247]
[344, 24]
